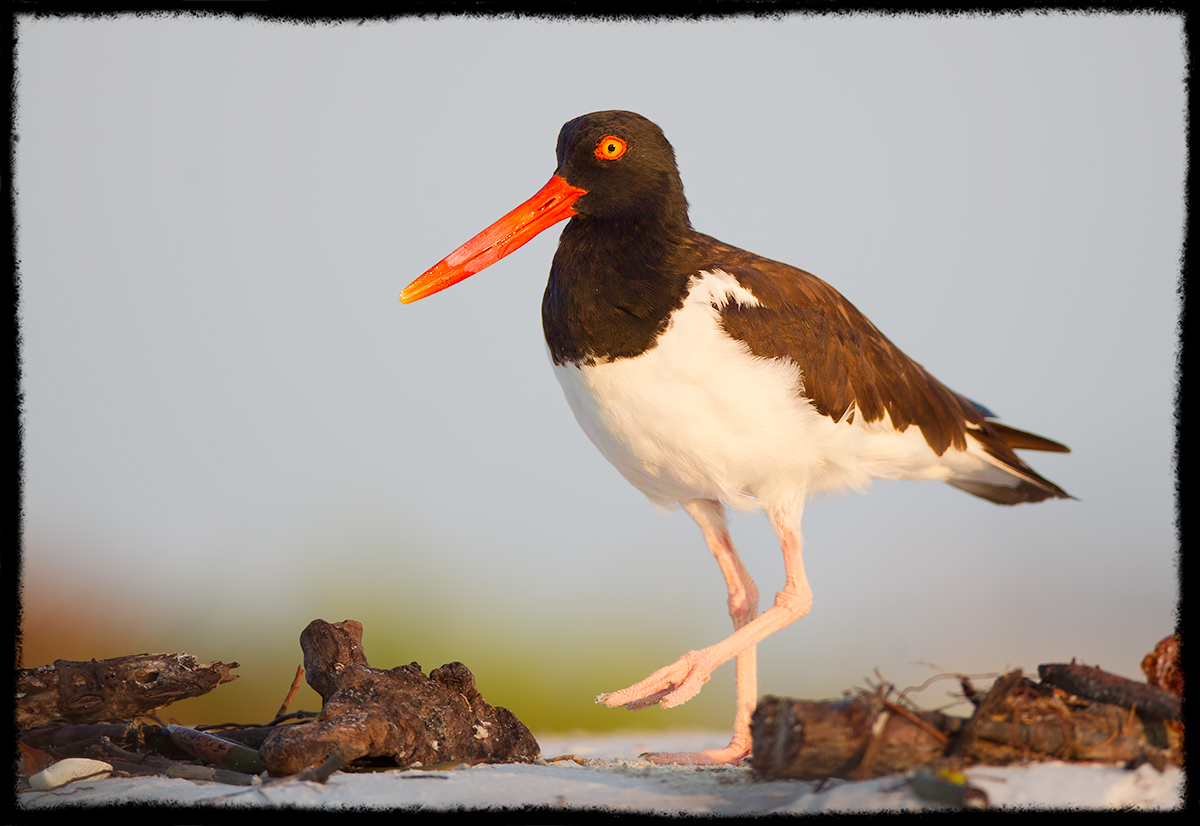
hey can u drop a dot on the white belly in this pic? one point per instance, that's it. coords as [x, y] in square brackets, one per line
[698, 416]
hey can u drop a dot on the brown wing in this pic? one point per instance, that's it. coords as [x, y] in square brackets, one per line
[845, 360]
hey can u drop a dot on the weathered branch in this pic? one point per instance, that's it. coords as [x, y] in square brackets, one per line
[400, 715]
[117, 689]
[1016, 721]
[1095, 684]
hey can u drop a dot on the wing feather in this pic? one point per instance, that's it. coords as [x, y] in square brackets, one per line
[845, 360]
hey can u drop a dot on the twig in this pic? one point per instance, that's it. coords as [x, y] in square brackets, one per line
[243, 726]
[292, 693]
[993, 701]
[932, 730]
[292, 716]
[866, 768]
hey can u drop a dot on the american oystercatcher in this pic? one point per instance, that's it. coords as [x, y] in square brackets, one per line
[710, 376]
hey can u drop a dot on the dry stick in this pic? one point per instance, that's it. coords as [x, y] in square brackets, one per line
[292, 693]
[932, 730]
[1067, 723]
[322, 772]
[244, 726]
[866, 767]
[318, 774]
[134, 763]
[992, 701]
[1097, 684]
[279, 715]
[292, 716]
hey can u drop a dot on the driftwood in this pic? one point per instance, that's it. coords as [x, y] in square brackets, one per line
[117, 689]
[858, 737]
[1016, 721]
[400, 715]
[1094, 684]
[403, 718]
[134, 763]
[1161, 666]
[72, 740]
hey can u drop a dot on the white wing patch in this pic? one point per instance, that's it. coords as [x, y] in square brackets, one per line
[721, 288]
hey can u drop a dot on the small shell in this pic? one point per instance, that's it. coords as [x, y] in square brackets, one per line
[64, 771]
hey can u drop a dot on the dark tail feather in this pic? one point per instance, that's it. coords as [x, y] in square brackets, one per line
[1021, 440]
[1023, 484]
[1025, 490]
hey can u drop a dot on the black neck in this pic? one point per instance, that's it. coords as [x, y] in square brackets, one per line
[612, 288]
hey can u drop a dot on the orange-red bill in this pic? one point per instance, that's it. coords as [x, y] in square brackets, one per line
[550, 205]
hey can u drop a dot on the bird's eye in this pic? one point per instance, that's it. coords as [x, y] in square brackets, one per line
[610, 148]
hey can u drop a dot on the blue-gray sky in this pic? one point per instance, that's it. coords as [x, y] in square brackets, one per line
[231, 420]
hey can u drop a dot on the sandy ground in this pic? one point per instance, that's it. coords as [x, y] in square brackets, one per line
[612, 777]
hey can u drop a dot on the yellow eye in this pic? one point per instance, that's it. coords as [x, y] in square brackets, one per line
[610, 148]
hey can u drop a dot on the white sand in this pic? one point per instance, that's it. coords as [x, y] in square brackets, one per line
[613, 777]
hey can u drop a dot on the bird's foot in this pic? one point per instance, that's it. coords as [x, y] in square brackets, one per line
[732, 755]
[670, 686]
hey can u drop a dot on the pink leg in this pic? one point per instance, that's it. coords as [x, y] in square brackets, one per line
[682, 680]
[743, 607]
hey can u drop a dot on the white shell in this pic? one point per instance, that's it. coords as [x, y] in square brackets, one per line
[64, 771]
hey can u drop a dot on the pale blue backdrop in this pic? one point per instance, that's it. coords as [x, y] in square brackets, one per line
[232, 426]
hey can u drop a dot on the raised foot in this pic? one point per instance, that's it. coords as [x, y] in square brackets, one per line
[670, 686]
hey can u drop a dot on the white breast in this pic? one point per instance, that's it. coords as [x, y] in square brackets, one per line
[699, 416]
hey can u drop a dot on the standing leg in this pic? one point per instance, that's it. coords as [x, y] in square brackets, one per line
[743, 594]
[743, 607]
[683, 679]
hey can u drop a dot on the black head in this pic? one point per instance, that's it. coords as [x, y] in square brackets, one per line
[616, 180]
[626, 165]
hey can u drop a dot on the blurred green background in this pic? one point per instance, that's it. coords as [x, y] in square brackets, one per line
[546, 666]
